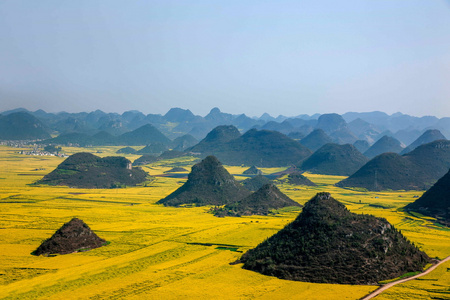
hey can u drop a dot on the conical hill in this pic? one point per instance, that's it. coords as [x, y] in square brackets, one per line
[428, 136]
[316, 139]
[73, 236]
[261, 202]
[253, 170]
[416, 170]
[361, 145]
[334, 159]
[216, 139]
[209, 183]
[256, 182]
[383, 145]
[327, 243]
[296, 178]
[435, 202]
[264, 148]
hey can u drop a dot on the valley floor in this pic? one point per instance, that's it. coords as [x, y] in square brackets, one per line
[159, 252]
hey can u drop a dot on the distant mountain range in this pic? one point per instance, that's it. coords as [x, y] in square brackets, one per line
[22, 126]
[144, 135]
[346, 128]
[262, 142]
[325, 144]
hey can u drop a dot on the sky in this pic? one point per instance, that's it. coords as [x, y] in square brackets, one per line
[280, 57]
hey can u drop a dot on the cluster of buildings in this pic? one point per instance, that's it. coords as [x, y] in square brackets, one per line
[34, 149]
[38, 152]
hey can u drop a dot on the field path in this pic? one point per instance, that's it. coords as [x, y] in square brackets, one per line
[389, 285]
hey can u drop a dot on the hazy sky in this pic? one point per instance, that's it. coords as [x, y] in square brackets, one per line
[280, 57]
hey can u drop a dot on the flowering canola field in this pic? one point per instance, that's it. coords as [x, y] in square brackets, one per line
[158, 252]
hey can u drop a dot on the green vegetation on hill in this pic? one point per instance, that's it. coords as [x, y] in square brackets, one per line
[253, 170]
[73, 236]
[416, 170]
[22, 126]
[435, 202]
[256, 182]
[331, 123]
[126, 150]
[334, 159]
[85, 170]
[148, 158]
[52, 149]
[383, 145]
[72, 139]
[316, 139]
[216, 139]
[386, 171]
[183, 142]
[144, 135]
[263, 148]
[296, 178]
[261, 202]
[154, 148]
[328, 244]
[288, 170]
[104, 138]
[176, 169]
[209, 183]
[145, 159]
[427, 137]
[170, 154]
[361, 145]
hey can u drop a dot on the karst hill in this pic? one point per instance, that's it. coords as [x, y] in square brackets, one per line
[261, 202]
[296, 178]
[215, 139]
[263, 148]
[253, 170]
[22, 126]
[181, 143]
[384, 145]
[209, 183]
[256, 182]
[73, 236]
[145, 135]
[85, 170]
[316, 139]
[327, 243]
[435, 202]
[334, 159]
[428, 136]
[416, 170]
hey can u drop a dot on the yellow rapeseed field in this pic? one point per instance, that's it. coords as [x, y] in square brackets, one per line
[158, 252]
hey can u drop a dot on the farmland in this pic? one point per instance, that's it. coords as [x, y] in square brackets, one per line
[172, 253]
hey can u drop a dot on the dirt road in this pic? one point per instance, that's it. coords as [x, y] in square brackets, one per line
[389, 285]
